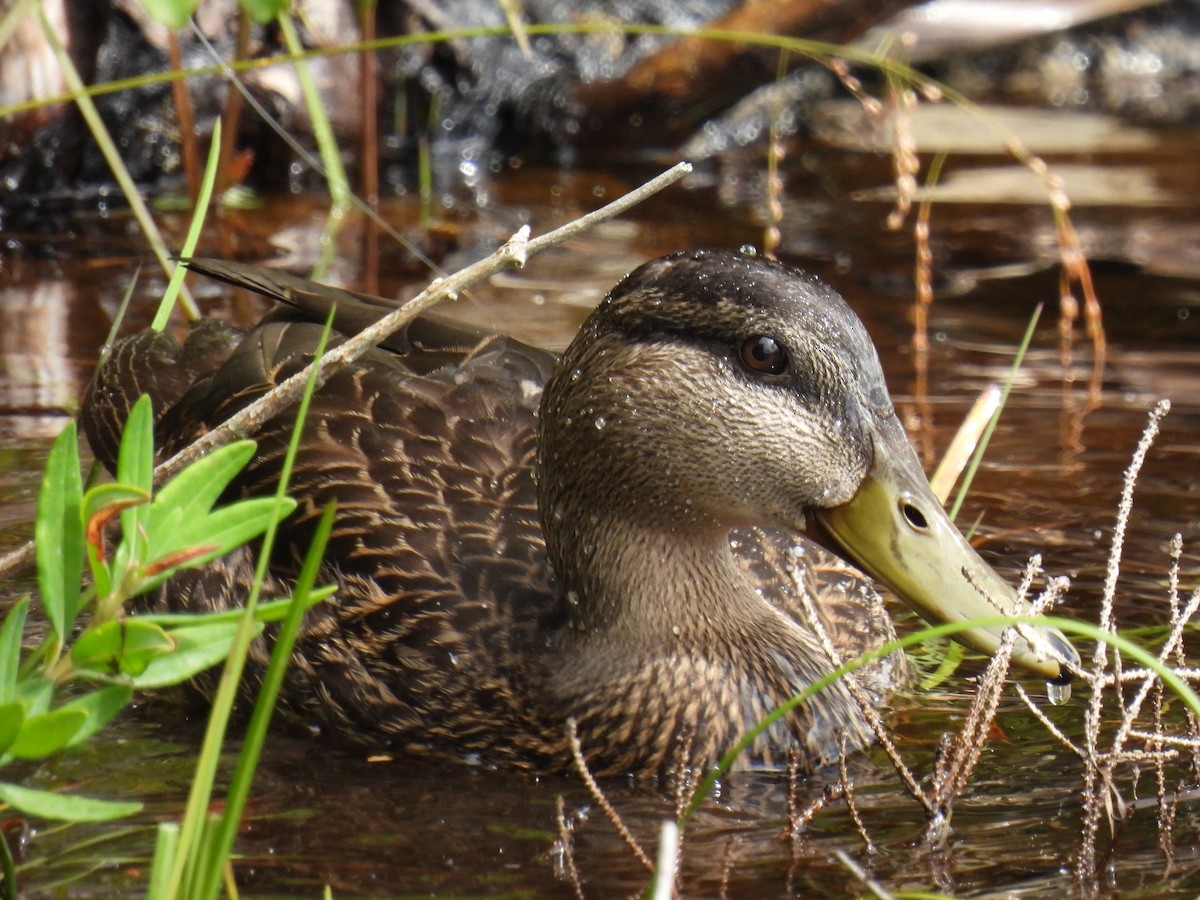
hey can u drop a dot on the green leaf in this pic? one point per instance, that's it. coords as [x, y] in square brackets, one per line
[135, 469]
[263, 11]
[48, 733]
[101, 707]
[10, 648]
[201, 484]
[196, 649]
[271, 611]
[100, 505]
[122, 645]
[49, 805]
[217, 534]
[135, 460]
[59, 534]
[12, 717]
[172, 13]
[36, 693]
[103, 499]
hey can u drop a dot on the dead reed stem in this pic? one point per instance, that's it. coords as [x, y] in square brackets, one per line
[598, 795]
[566, 845]
[1100, 793]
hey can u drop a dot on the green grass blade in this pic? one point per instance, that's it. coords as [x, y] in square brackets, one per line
[335, 172]
[166, 845]
[1170, 679]
[191, 833]
[10, 648]
[981, 448]
[193, 236]
[264, 705]
[58, 533]
[68, 807]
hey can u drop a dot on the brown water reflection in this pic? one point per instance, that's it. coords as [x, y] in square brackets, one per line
[1051, 483]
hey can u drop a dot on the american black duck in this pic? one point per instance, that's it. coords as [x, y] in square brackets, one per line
[523, 540]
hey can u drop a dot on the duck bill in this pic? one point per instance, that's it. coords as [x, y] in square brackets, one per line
[896, 530]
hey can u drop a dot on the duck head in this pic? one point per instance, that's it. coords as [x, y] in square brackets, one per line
[717, 389]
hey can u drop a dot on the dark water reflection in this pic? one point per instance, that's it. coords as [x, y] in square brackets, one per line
[1051, 484]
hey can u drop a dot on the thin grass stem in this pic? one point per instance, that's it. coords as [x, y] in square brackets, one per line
[981, 448]
[167, 304]
[192, 834]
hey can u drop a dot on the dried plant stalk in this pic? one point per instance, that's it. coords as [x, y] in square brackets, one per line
[598, 795]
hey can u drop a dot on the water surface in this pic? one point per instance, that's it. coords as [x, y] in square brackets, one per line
[321, 815]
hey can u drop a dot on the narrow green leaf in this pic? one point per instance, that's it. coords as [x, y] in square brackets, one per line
[135, 468]
[49, 805]
[271, 611]
[268, 694]
[220, 532]
[12, 717]
[198, 487]
[101, 707]
[59, 534]
[36, 692]
[196, 649]
[135, 460]
[48, 733]
[207, 183]
[10, 648]
[121, 645]
[166, 845]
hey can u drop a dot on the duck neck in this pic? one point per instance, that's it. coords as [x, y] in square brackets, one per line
[642, 581]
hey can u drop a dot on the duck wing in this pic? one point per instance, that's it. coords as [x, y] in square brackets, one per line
[444, 594]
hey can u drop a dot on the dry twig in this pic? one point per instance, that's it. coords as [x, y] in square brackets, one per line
[514, 253]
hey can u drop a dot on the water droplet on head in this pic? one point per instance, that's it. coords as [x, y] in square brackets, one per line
[600, 422]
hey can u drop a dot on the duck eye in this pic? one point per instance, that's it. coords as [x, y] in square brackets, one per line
[763, 354]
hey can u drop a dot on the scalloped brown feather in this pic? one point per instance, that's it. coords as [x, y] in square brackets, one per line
[445, 637]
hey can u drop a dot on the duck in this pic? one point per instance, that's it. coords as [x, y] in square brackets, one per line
[540, 557]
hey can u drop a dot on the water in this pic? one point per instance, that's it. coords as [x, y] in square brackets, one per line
[1050, 485]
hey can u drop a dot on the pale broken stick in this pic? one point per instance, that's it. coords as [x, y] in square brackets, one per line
[514, 252]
